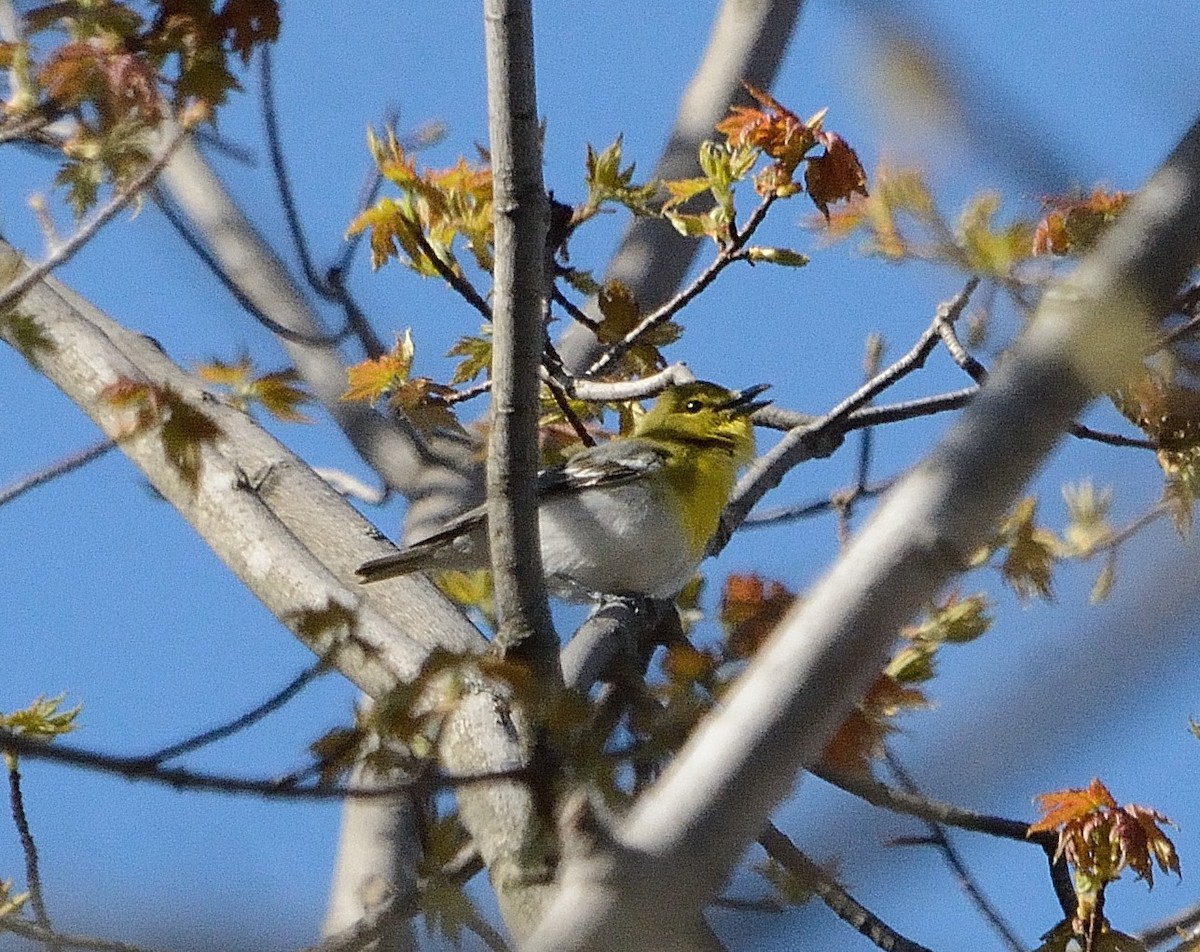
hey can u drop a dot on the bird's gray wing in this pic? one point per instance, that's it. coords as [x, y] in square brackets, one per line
[608, 464]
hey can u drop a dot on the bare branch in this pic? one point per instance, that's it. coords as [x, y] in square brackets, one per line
[65, 465]
[31, 930]
[939, 838]
[242, 721]
[101, 217]
[180, 778]
[33, 875]
[729, 253]
[781, 849]
[522, 215]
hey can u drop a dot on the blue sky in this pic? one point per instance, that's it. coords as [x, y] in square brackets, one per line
[112, 599]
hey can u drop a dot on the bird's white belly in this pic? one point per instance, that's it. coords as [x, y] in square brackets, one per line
[618, 540]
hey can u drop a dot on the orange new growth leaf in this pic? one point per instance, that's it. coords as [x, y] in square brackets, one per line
[1073, 223]
[774, 129]
[836, 175]
[378, 377]
[859, 739]
[1100, 839]
[751, 607]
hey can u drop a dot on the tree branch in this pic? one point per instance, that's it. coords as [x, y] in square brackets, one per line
[781, 849]
[518, 314]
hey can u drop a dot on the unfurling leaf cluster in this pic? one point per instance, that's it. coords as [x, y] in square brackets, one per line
[1100, 840]
[10, 903]
[279, 392]
[119, 74]
[435, 208]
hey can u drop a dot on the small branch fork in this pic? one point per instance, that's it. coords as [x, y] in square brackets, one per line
[731, 251]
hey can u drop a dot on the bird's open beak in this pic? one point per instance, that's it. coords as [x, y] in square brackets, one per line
[744, 401]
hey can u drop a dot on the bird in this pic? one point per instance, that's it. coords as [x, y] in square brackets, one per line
[629, 517]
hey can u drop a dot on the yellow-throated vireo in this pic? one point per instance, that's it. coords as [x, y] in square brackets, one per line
[632, 516]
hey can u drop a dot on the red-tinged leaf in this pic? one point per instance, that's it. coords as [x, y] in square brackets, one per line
[1061, 807]
[836, 175]
[424, 403]
[1072, 224]
[751, 608]
[249, 23]
[859, 740]
[773, 129]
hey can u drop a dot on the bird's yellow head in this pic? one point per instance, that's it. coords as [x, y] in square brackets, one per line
[705, 416]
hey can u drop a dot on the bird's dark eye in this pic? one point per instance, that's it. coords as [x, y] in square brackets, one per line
[693, 406]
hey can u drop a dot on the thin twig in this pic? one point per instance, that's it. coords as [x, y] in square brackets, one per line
[54, 470]
[939, 838]
[818, 507]
[283, 182]
[31, 930]
[799, 444]
[574, 310]
[729, 253]
[460, 284]
[899, 801]
[184, 230]
[1181, 924]
[781, 849]
[331, 286]
[139, 768]
[33, 876]
[84, 233]
[255, 714]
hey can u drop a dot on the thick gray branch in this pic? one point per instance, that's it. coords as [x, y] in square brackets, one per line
[714, 799]
[518, 315]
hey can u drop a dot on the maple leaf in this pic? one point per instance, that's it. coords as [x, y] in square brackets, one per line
[379, 376]
[988, 248]
[773, 129]
[248, 23]
[185, 432]
[621, 315]
[477, 356]
[1074, 223]
[751, 608]
[608, 182]
[1029, 562]
[859, 739]
[835, 176]
[1100, 840]
[276, 391]
[423, 401]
